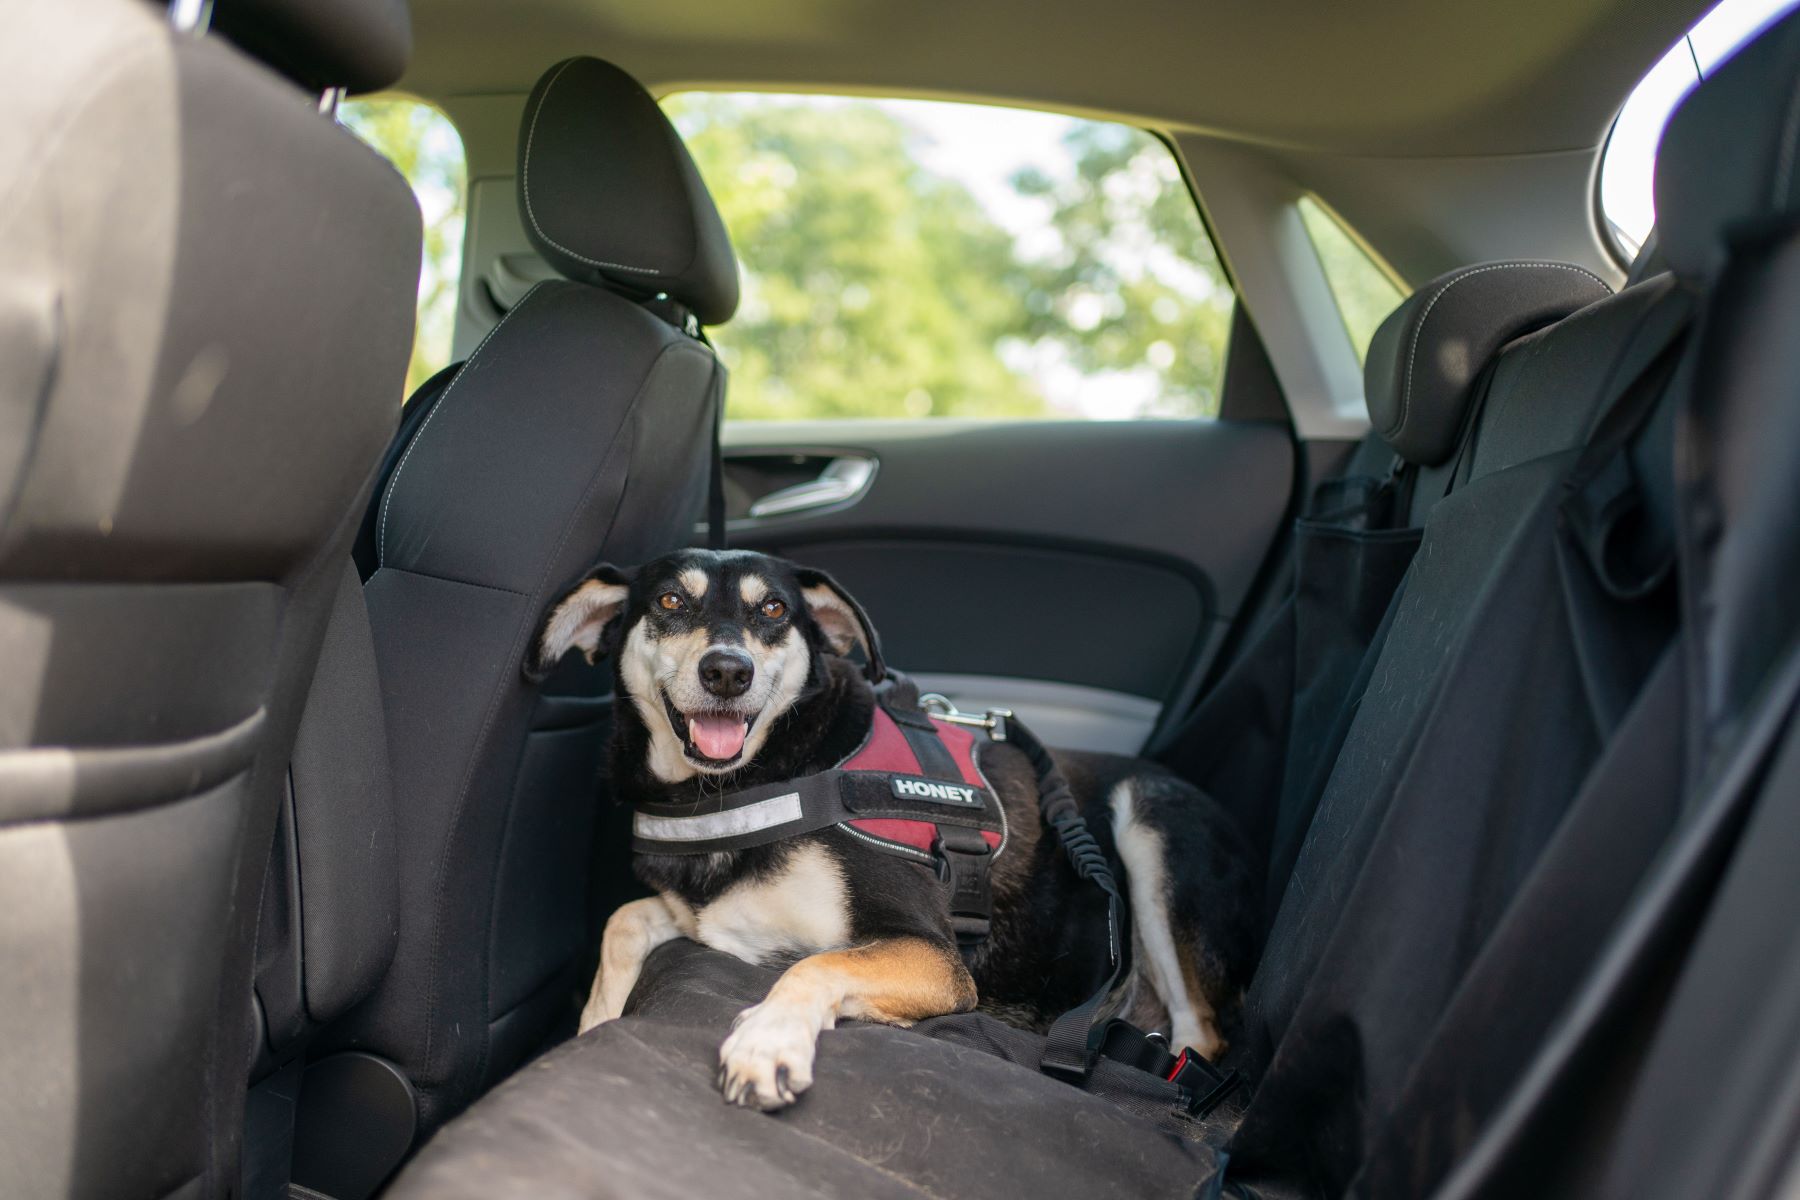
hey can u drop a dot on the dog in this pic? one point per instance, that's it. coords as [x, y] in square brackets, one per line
[736, 669]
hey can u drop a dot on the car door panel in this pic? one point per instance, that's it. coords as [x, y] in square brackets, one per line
[1091, 566]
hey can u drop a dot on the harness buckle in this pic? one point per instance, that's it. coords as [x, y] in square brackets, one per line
[993, 720]
[963, 857]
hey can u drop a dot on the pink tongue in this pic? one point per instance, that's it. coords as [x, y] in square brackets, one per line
[717, 735]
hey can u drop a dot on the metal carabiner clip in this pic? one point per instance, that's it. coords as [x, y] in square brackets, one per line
[993, 720]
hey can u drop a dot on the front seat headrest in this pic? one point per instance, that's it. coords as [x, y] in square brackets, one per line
[1731, 152]
[358, 45]
[609, 195]
[1423, 360]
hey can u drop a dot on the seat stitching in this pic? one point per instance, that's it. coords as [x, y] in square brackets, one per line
[387, 499]
[525, 184]
[450, 579]
[1413, 349]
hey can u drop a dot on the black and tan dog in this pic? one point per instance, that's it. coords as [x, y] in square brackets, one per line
[736, 670]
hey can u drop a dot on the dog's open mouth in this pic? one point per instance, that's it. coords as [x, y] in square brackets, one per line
[713, 739]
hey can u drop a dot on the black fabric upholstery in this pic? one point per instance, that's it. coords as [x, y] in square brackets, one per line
[1730, 1011]
[1731, 152]
[358, 45]
[1680, 1035]
[579, 430]
[1426, 355]
[343, 820]
[197, 386]
[609, 195]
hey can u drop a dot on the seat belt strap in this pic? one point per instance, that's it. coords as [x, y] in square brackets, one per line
[715, 493]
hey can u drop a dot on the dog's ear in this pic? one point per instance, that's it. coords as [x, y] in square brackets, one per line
[580, 618]
[841, 619]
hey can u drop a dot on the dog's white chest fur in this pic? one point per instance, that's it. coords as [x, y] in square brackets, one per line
[803, 910]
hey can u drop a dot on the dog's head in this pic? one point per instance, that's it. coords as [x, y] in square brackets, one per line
[712, 647]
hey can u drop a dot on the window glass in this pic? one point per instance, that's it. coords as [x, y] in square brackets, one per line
[424, 147]
[1628, 164]
[1364, 293]
[910, 258]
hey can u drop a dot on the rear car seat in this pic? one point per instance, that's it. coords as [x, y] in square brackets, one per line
[205, 315]
[690, 993]
[1273, 723]
[579, 430]
[1528, 662]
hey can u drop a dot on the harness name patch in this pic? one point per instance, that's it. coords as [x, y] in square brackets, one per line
[934, 790]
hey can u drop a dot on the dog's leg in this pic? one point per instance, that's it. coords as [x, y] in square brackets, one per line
[767, 1061]
[632, 932]
[1170, 965]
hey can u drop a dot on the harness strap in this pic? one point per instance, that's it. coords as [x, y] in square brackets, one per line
[964, 858]
[922, 737]
[775, 812]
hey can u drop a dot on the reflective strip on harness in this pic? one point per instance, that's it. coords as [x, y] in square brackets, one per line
[752, 818]
[882, 793]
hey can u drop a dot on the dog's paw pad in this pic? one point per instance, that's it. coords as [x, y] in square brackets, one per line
[767, 1061]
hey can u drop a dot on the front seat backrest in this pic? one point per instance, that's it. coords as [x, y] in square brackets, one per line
[206, 307]
[579, 429]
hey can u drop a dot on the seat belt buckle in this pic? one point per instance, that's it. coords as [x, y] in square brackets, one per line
[1203, 1087]
[963, 858]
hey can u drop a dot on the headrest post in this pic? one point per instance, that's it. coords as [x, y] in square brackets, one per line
[192, 17]
[329, 99]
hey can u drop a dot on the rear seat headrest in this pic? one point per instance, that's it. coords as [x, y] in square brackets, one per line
[358, 45]
[1730, 152]
[1424, 357]
[608, 194]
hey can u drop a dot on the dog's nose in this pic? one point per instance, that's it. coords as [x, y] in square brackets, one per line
[726, 673]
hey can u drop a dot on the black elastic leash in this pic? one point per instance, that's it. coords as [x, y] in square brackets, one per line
[1075, 1038]
[1085, 1034]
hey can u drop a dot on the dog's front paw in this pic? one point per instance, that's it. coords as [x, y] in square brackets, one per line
[768, 1059]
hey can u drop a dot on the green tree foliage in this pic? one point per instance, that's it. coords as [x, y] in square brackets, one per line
[424, 147]
[872, 288]
[1136, 285]
[876, 287]
[1364, 293]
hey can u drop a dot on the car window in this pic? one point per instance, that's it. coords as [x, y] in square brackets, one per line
[1628, 164]
[1365, 294]
[907, 258]
[424, 147]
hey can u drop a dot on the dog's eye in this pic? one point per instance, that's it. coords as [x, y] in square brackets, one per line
[774, 609]
[671, 602]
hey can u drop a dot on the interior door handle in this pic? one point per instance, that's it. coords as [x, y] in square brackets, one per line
[844, 479]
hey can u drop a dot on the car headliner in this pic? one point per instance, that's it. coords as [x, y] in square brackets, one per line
[1382, 77]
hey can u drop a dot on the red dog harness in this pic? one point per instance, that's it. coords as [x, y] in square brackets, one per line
[913, 789]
